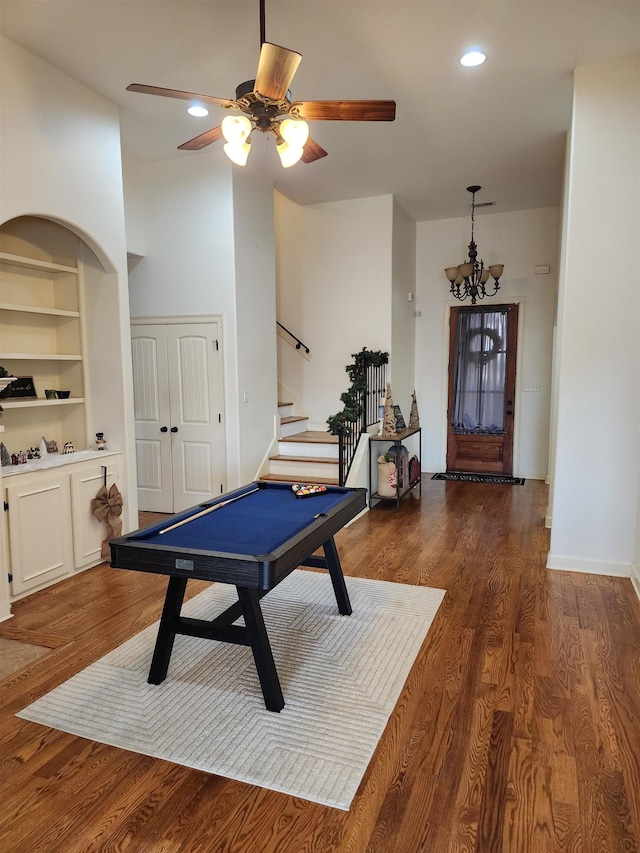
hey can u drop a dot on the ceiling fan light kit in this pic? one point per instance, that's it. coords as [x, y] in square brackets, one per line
[470, 278]
[268, 108]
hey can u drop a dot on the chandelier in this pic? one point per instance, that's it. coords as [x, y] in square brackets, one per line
[469, 279]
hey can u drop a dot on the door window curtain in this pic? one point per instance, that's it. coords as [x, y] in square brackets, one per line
[480, 365]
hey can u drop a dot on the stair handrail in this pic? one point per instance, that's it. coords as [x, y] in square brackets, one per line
[361, 405]
[299, 343]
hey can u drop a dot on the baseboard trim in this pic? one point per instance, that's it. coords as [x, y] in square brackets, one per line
[635, 581]
[590, 567]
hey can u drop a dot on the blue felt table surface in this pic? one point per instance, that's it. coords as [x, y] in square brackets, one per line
[255, 524]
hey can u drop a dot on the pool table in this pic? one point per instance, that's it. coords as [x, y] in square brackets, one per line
[252, 538]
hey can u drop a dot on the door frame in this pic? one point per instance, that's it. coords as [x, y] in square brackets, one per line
[186, 319]
[455, 303]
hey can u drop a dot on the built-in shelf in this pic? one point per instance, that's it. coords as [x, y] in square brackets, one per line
[33, 264]
[38, 356]
[32, 309]
[29, 404]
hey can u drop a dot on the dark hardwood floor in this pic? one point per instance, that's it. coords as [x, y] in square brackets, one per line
[518, 728]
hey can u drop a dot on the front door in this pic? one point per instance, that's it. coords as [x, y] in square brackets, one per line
[482, 384]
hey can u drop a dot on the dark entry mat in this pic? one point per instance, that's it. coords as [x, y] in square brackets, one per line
[501, 479]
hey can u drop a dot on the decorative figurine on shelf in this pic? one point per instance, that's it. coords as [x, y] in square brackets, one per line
[101, 441]
[68, 447]
[19, 458]
[5, 458]
[52, 446]
[43, 448]
[33, 453]
[389, 421]
[414, 417]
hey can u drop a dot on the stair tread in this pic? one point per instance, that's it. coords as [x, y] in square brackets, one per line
[292, 419]
[286, 478]
[285, 404]
[312, 437]
[323, 459]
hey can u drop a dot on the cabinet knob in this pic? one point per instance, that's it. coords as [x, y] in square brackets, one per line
[174, 429]
[164, 429]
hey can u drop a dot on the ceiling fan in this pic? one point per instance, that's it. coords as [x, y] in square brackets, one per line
[267, 106]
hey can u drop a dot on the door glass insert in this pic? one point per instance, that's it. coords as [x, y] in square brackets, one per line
[480, 369]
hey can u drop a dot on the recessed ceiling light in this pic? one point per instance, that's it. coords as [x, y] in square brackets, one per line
[472, 57]
[198, 111]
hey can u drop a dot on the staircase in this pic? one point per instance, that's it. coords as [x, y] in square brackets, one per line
[304, 456]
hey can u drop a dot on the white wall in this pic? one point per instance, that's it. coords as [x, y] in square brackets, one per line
[403, 338]
[133, 207]
[521, 240]
[334, 272]
[208, 236]
[188, 268]
[60, 159]
[595, 500]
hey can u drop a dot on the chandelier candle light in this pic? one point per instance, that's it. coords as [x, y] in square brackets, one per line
[469, 279]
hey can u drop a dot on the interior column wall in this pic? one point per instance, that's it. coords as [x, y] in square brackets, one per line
[595, 483]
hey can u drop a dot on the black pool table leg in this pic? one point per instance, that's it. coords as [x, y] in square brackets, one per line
[337, 578]
[261, 648]
[166, 632]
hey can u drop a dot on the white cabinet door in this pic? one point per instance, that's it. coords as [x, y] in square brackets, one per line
[39, 531]
[88, 532]
[178, 411]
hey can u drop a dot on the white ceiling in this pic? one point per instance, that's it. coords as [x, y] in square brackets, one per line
[501, 125]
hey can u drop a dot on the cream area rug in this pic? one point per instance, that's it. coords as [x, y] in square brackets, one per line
[341, 677]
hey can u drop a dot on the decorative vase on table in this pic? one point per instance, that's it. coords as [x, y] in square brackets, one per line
[386, 477]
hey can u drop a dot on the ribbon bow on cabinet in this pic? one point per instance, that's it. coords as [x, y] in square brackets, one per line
[107, 507]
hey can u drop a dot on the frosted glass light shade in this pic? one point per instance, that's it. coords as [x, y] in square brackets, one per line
[472, 58]
[294, 132]
[465, 270]
[237, 153]
[289, 154]
[484, 278]
[236, 129]
[496, 270]
[451, 273]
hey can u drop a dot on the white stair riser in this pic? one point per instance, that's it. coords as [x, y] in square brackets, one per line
[321, 450]
[295, 469]
[293, 428]
[285, 411]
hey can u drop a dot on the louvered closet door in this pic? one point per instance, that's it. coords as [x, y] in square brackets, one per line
[196, 413]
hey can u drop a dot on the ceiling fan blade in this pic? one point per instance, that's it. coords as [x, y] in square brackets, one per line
[276, 68]
[312, 151]
[203, 140]
[347, 110]
[176, 93]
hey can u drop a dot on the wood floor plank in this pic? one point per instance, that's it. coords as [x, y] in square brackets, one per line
[517, 730]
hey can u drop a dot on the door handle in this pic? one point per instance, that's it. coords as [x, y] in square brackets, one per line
[174, 429]
[164, 429]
